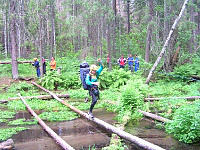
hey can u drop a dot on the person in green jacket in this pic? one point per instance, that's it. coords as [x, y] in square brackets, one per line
[91, 81]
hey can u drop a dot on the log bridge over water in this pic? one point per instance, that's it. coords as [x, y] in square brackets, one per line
[136, 140]
[140, 142]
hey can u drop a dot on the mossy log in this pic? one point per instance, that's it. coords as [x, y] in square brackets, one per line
[188, 98]
[38, 97]
[156, 117]
[7, 145]
[19, 62]
[147, 114]
[196, 77]
[58, 139]
[138, 141]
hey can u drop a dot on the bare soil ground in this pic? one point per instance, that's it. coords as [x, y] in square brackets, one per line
[6, 81]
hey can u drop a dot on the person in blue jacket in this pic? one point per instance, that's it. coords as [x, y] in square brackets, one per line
[37, 66]
[91, 81]
[130, 62]
[136, 63]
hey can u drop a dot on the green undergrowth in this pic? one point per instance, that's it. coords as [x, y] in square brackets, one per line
[3, 120]
[58, 116]
[22, 121]
[23, 88]
[174, 89]
[184, 114]
[167, 107]
[127, 100]
[37, 104]
[78, 93]
[6, 114]
[185, 124]
[8, 132]
[115, 144]
[123, 93]
[86, 106]
[17, 87]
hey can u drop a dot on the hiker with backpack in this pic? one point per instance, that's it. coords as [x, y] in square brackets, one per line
[91, 82]
[37, 66]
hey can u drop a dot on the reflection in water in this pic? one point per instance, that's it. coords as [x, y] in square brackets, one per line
[60, 131]
[146, 130]
[81, 133]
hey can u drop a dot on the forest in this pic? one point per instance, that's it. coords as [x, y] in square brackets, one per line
[165, 34]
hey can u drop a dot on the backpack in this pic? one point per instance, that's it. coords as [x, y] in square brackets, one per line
[84, 70]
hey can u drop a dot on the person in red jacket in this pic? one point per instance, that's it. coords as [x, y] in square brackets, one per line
[122, 61]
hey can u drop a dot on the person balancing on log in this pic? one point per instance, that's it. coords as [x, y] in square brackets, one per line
[89, 78]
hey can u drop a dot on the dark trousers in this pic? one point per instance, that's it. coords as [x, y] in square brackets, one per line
[44, 68]
[94, 92]
[38, 72]
[121, 66]
[131, 68]
[136, 66]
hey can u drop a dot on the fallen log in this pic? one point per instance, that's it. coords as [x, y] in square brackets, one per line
[7, 144]
[138, 141]
[26, 79]
[156, 117]
[196, 77]
[59, 140]
[188, 98]
[19, 62]
[147, 114]
[38, 97]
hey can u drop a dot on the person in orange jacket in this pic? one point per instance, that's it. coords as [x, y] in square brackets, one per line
[52, 64]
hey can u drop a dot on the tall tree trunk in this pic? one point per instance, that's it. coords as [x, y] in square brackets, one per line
[149, 31]
[128, 22]
[48, 27]
[52, 28]
[166, 42]
[198, 18]
[114, 32]
[40, 45]
[23, 33]
[5, 32]
[109, 44]
[19, 29]
[13, 39]
[166, 19]
[192, 42]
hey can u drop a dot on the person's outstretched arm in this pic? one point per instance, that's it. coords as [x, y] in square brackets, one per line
[101, 67]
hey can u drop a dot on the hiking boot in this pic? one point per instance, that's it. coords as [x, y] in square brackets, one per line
[86, 99]
[90, 114]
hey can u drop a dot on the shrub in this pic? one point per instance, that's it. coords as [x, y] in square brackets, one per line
[186, 123]
[132, 99]
[115, 79]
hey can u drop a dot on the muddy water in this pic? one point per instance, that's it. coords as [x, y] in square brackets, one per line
[79, 133]
[82, 134]
[147, 130]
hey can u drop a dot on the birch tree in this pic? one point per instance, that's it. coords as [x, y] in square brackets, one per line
[166, 42]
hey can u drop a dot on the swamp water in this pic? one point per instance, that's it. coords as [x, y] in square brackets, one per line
[82, 134]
